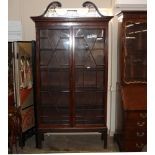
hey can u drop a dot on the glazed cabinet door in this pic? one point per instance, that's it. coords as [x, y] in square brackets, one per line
[89, 65]
[54, 107]
[72, 76]
[135, 52]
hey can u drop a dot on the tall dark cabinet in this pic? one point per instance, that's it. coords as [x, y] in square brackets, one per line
[131, 133]
[71, 73]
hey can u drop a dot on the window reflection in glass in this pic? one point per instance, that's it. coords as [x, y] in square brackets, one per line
[135, 52]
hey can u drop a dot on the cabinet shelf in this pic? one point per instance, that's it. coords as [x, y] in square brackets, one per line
[64, 68]
[53, 49]
[90, 108]
[77, 90]
[48, 37]
[56, 69]
[88, 89]
[54, 89]
[89, 69]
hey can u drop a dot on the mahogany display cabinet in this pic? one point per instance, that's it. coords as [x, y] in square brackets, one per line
[131, 133]
[71, 73]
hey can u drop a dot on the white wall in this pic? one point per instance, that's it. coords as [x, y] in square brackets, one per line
[119, 5]
[131, 3]
[22, 10]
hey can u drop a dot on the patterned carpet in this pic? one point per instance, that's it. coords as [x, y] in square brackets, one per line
[76, 143]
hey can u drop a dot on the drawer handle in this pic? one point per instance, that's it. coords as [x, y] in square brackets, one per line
[143, 115]
[139, 145]
[140, 134]
[140, 123]
[10, 114]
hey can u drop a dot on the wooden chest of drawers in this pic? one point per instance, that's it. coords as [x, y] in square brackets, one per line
[133, 134]
[131, 108]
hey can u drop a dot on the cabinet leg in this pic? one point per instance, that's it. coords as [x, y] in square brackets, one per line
[104, 137]
[39, 140]
[105, 140]
[42, 136]
[22, 141]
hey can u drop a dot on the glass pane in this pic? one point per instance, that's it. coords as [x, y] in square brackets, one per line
[89, 76]
[50, 38]
[54, 108]
[89, 47]
[89, 108]
[85, 79]
[54, 59]
[45, 44]
[136, 52]
[89, 58]
[59, 79]
[44, 79]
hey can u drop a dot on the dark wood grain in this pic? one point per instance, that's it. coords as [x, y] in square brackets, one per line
[131, 132]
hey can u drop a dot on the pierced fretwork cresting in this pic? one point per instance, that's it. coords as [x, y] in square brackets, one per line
[52, 5]
[90, 5]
